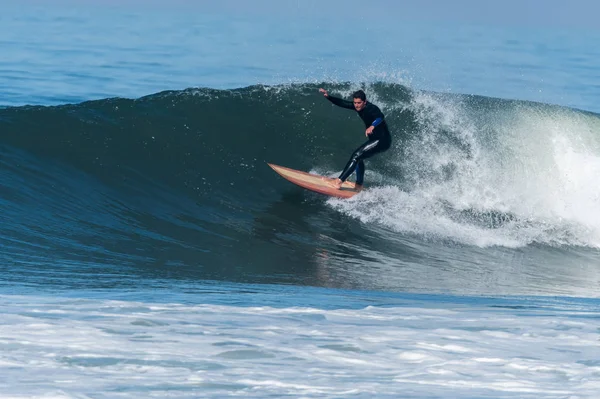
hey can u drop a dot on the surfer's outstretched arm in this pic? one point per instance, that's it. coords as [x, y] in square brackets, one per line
[338, 101]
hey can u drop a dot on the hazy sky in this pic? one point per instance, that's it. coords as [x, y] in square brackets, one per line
[535, 13]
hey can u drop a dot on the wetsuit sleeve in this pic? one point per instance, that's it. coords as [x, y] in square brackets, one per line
[377, 115]
[341, 102]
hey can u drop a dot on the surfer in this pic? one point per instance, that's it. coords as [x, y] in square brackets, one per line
[377, 133]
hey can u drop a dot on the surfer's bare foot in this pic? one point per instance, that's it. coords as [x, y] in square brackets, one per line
[355, 186]
[335, 183]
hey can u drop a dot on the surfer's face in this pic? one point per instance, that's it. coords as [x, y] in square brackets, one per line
[359, 104]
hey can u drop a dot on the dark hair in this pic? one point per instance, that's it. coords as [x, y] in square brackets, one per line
[360, 94]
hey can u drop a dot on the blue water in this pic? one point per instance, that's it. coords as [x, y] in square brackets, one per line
[92, 52]
[399, 300]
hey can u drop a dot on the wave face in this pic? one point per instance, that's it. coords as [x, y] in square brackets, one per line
[178, 180]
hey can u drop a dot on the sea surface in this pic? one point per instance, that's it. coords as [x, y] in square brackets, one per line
[147, 250]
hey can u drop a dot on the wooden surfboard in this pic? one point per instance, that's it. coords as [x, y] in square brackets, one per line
[314, 182]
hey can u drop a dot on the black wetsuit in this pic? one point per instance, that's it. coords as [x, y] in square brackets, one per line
[379, 141]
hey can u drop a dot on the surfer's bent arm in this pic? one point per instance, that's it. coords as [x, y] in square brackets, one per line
[340, 102]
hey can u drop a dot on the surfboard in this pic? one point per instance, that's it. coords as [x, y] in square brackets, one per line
[314, 182]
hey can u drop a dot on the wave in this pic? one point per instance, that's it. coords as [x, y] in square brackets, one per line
[187, 169]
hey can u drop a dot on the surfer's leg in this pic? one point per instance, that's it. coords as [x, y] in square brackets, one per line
[360, 172]
[362, 152]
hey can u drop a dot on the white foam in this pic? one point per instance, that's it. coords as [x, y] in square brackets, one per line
[534, 168]
[63, 348]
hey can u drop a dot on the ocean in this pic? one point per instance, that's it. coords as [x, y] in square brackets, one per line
[147, 250]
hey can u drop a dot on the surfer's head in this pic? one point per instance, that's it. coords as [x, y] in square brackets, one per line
[359, 99]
